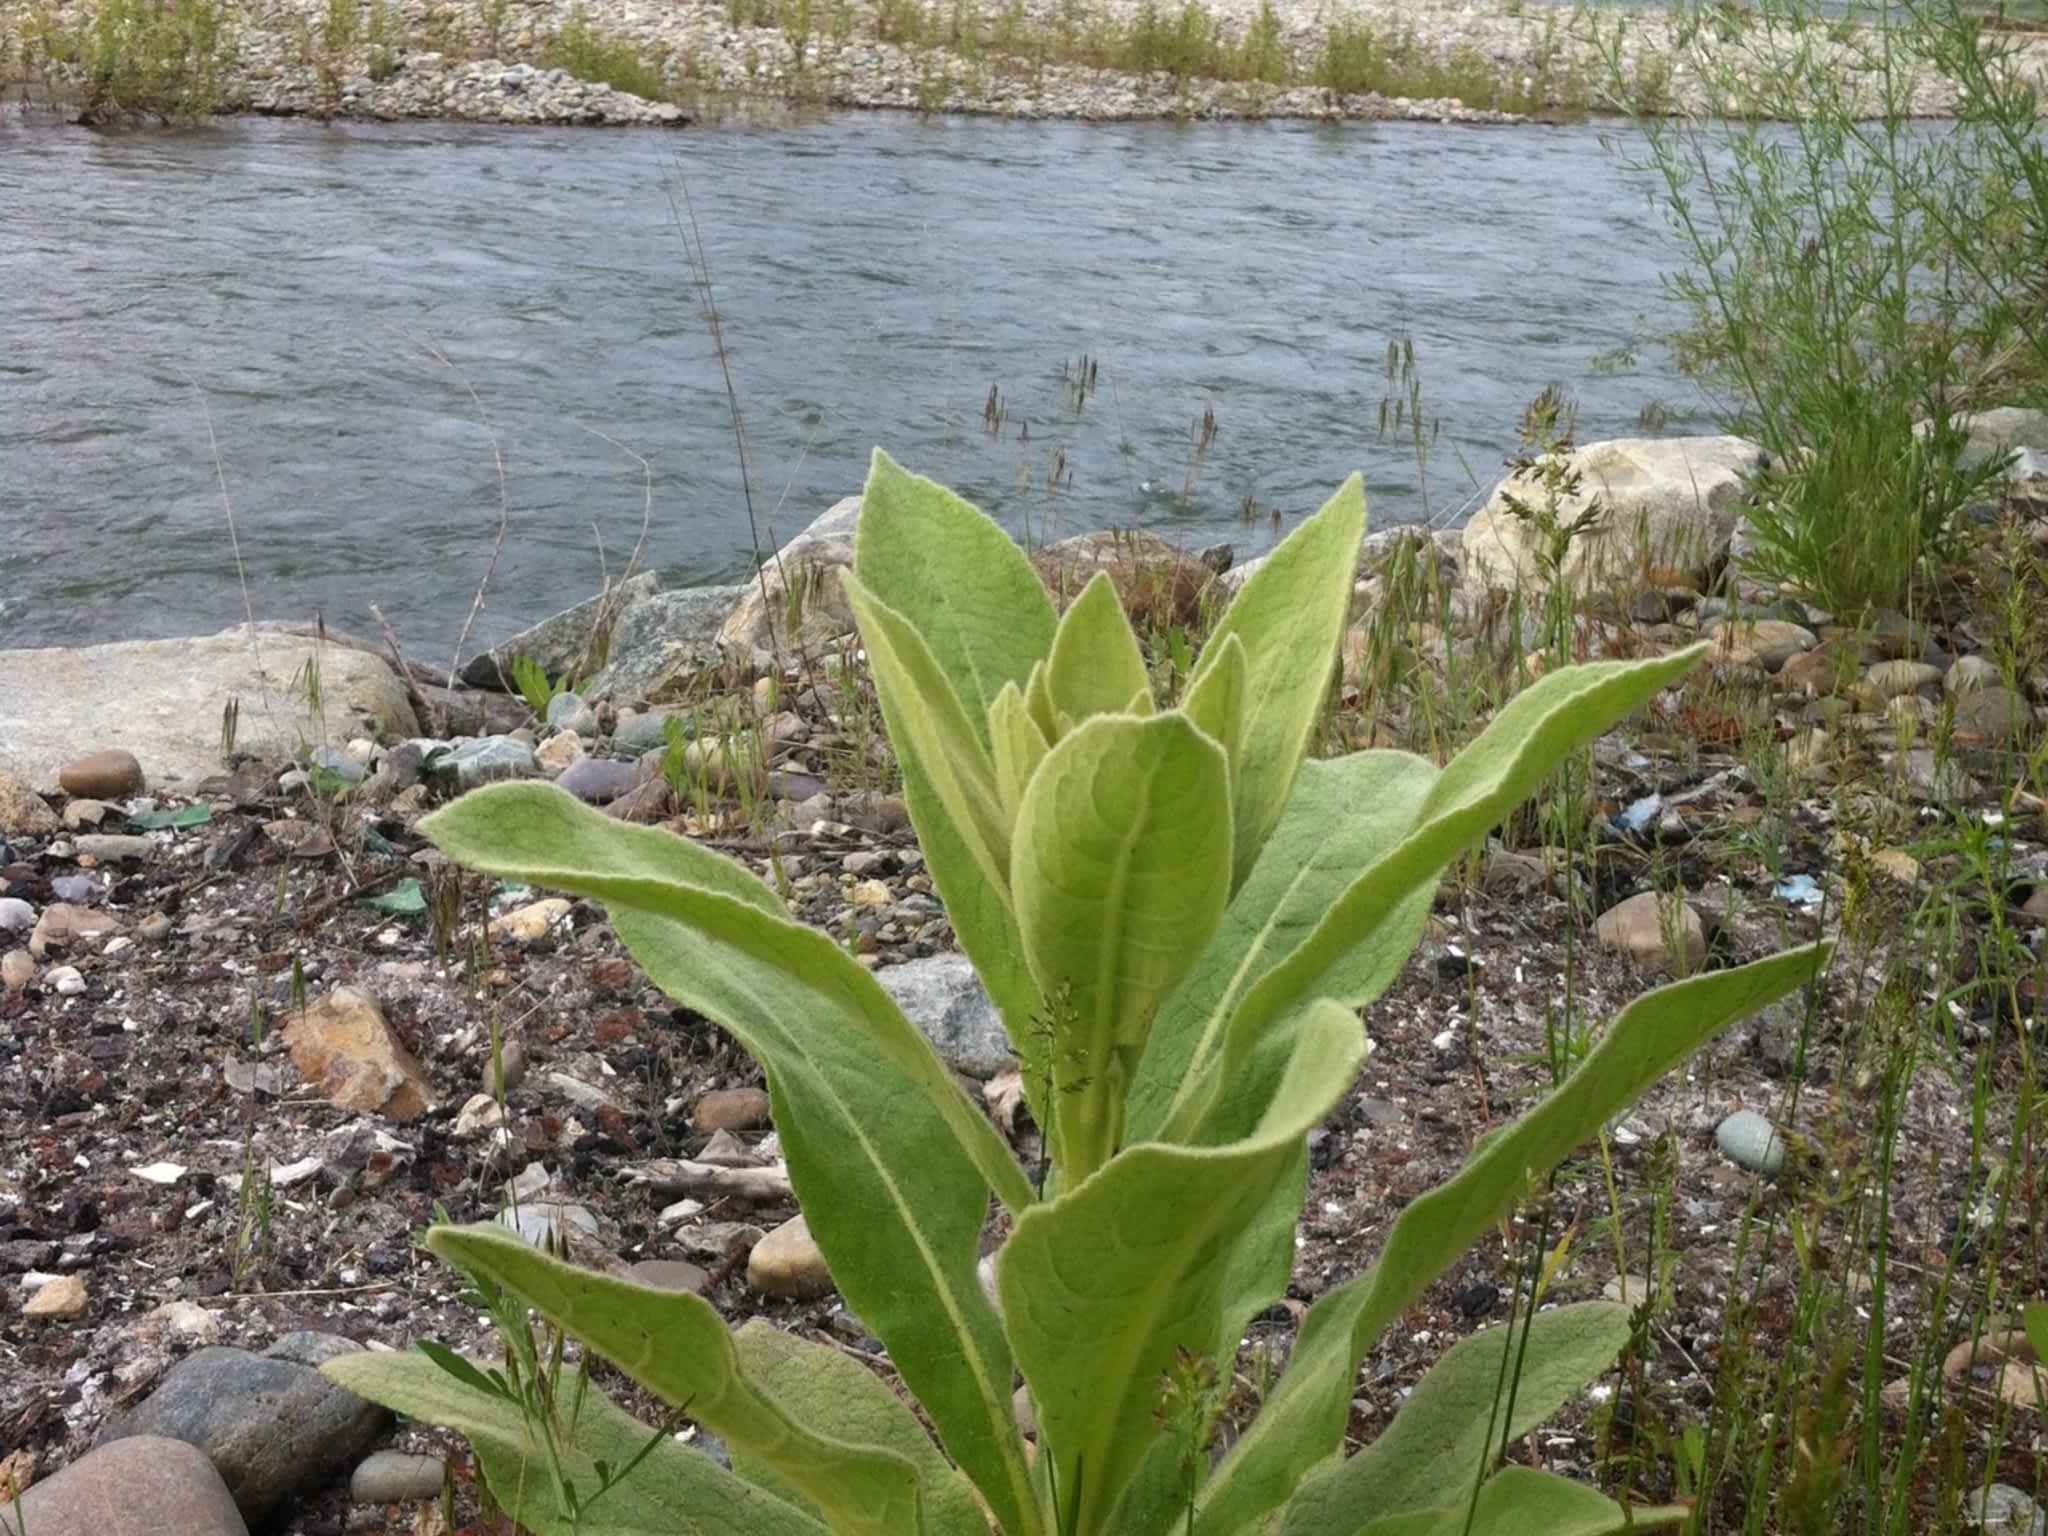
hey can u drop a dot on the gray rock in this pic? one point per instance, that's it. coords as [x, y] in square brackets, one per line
[1989, 709]
[337, 762]
[944, 998]
[82, 890]
[2007, 429]
[163, 700]
[670, 635]
[1238, 574]
[270, 1427]
[311, 1348]
[141, 1486]
[392, 1477]
[568, 712]
[670, 1275]
[1968, 672]
[2003, 1510]
[598, 780]
[562, 643]
[1752, 1141]
[488, 760]
[16, 915]
[1938, 778]
[647, 730]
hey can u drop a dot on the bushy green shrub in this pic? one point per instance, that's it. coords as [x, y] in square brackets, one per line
[1178, 919]
[589, 53]
[137, 58]
[1855, 271]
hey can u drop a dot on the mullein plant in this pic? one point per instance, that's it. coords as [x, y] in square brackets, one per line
[1179, 919]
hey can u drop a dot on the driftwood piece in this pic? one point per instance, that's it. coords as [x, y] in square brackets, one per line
[669, 1177]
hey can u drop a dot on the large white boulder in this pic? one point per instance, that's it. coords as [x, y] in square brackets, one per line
[164, 700]
[1666, 506]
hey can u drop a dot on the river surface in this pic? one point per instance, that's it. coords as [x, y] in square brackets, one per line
[350, 326]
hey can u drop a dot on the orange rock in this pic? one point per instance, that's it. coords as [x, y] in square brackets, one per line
[344, 1048]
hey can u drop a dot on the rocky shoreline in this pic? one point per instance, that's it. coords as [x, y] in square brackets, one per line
[487, 61]
[254, 1031]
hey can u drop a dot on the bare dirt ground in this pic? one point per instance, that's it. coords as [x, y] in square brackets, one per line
[171, 1053]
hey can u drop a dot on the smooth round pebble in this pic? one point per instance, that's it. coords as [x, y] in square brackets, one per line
[102, 776]
[393, 1477]
[1749, 1139]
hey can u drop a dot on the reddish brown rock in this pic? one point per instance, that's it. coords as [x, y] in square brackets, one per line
[344, 1048]
[102, 776]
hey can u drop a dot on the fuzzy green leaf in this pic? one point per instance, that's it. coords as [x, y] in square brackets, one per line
[1102, 1287]
[874, 1143]
[1289, 618]
[978, 603]
[950, 787]
[672, 1491]
[1216, 700]
[1344, 815]
[1303, 1421]
[1096, 667]
[1450, 1428]
[1530, 736]
[676, 1344]
[929, 725]
[1017, 745]
[1121, 871]
[834, 1395]
[1520, 1501]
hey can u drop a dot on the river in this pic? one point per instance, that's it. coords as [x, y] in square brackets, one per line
[303, 312]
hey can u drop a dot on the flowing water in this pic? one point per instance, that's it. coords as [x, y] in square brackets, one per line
[350, 325]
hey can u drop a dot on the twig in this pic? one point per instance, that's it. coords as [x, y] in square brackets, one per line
[679, 1176]
[412, 686]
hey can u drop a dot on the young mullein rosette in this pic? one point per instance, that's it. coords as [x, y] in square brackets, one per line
[1178, 918]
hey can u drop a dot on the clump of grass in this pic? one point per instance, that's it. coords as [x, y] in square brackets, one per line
[1825, 331]
[589, 53]
[162, 59]
[1356, 60]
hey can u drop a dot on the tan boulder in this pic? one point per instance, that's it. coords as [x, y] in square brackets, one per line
[1766, 643]
[731, 1109]
[1666, 506]
[796, 600]
[788, 1263]
[64, 926]
[144, 1483]
[1659, 934]
[23, 812]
